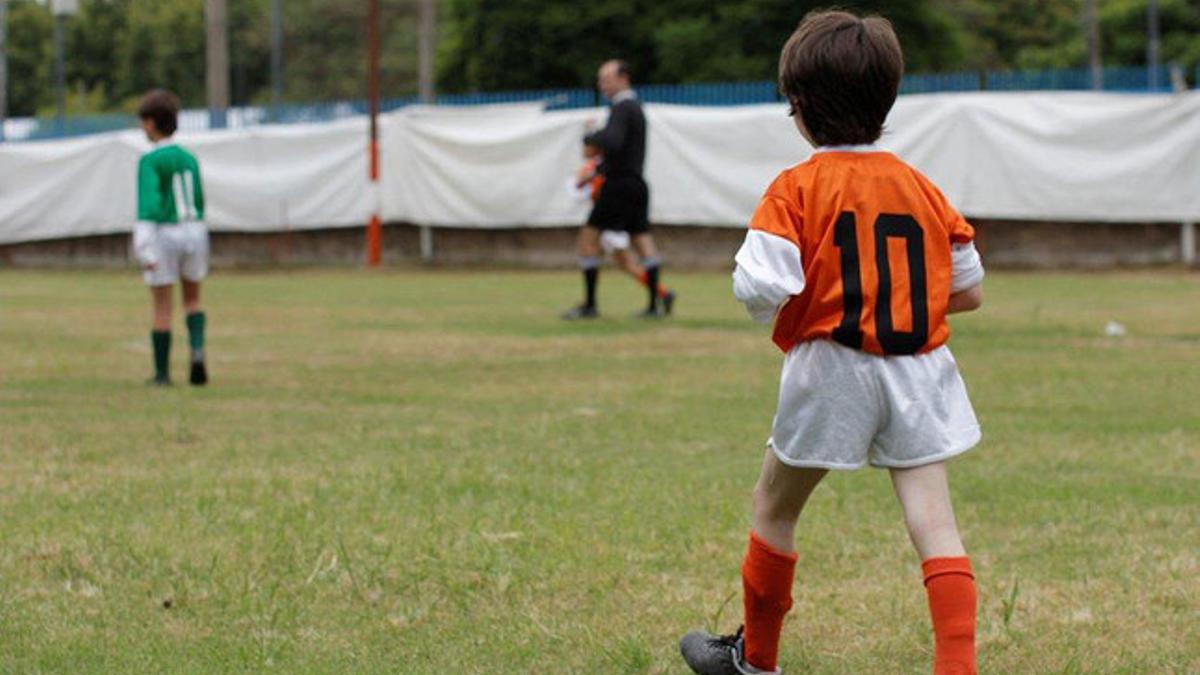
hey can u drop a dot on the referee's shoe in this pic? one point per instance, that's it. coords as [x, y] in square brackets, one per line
[584, 311]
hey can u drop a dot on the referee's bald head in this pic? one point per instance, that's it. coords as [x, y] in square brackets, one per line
[614, 76]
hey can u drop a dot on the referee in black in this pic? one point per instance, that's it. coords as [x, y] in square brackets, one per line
[624, 201]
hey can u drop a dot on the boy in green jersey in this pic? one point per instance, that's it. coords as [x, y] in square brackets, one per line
[170, 241]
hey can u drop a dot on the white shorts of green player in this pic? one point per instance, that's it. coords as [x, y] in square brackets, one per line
[169, 253]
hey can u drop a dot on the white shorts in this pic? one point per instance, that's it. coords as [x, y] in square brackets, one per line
[179, 251]
[840, 408]
[614, 240]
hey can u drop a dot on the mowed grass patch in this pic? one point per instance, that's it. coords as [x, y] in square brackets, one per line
[428, 472]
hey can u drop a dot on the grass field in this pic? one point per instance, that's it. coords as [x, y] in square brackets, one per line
[428, 472]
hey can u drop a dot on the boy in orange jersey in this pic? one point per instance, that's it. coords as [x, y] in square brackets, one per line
[588, 181]
[857, 258]
[589, 176]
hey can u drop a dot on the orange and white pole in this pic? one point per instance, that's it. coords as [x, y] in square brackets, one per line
[375, 224]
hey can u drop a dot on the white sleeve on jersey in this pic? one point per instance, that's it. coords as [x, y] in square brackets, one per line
[145, 250]
[768, 272]
[968, 268]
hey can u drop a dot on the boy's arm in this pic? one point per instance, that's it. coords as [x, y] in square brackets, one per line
[966, 285]
[145, 229]
[199, 194]
[769, 267]
[966, 301]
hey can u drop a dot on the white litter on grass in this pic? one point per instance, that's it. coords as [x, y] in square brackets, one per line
[1114, 329]
[497, 537]
[83, 587]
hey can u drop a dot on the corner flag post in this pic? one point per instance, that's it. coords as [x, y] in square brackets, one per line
[375, 225]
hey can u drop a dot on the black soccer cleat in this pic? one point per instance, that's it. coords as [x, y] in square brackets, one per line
[581, 312]
[649, 313]
[668, 303]
[708, 654]
[199, 374]
[158, 381]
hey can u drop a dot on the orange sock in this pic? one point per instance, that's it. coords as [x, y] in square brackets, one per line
[644, 278]
[767, 575]
[950, 585]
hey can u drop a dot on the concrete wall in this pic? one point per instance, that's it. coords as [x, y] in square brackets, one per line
[1011, 244]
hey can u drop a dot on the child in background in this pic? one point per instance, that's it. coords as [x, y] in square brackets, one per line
[170, 241]
[857, 258]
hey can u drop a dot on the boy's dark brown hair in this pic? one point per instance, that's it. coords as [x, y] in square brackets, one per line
[161, 106]
[841, 73]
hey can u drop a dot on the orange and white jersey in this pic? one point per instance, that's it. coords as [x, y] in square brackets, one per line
[589, 177]
[857, 247]
[585, 185]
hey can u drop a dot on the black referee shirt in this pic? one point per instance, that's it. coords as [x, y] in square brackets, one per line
[623, 138]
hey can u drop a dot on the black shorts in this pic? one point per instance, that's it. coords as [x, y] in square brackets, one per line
[623, 204]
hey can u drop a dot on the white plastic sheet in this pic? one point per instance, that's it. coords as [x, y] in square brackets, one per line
[1046, 156]
[485, 166]
[261, 179]
[285, 177]
[1060, 156]
[67, 188]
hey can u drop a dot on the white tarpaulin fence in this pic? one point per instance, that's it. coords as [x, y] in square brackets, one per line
[1044, 156]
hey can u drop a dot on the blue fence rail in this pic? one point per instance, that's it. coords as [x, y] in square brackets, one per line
[1136, 79]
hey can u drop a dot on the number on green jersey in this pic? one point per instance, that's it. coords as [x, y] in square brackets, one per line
[183, 184]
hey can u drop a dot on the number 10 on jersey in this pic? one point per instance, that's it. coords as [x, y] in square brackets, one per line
[887, 226]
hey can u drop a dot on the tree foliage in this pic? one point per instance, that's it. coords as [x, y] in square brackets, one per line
[116, 49]
[1034, 34]
[497, 44]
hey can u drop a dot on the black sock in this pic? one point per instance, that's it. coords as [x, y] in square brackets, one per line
[161, 339]
[652, 285]
[591, 275]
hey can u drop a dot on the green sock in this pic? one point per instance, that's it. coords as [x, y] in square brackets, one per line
[161, 339]
[195, 326]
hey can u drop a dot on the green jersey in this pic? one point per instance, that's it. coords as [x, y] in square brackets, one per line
[169, 189]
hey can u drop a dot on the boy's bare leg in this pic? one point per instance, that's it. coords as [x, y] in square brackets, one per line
[191, 296]
[625, 259]
[924, 494]
[160, 335]
[161, 296]
[770, 563]
[196, 321]
[779, 497]
[767, 573]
